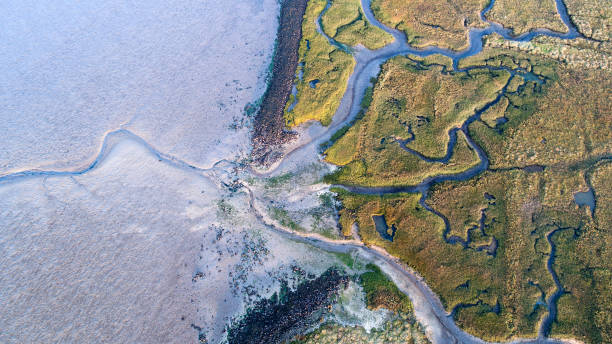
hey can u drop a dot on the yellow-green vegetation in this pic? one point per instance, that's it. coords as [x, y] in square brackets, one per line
[345, 22]
[431, 22]
[321, 61]
[525, 15]
[601, 180]
[584, 262]
[496, 111]
[547, 138]
[373, 161]
[503, 290]
[404, 329]
[419, 243]
[435, 59]
[563, 122]
[592, 19]
[432, 102]
[497, 283]
[495, 57]
[427, 107]
[382, 293]
[524, 209]
[577, 53]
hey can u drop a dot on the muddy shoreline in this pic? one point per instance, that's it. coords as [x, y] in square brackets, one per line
[269, 129]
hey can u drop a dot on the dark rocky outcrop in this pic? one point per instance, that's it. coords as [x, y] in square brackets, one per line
[270, 130]
[290, 313]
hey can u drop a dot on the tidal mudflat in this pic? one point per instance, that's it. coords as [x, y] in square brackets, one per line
[107, 109]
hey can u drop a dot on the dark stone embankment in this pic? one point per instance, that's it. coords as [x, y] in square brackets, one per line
[283, 316]
[270, 130]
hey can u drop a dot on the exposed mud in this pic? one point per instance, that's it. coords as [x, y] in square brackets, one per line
[270, 131]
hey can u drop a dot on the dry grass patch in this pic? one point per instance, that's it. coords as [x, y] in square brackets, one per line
[321, 61]
[345, 22]
[431, 22]
[525, 15]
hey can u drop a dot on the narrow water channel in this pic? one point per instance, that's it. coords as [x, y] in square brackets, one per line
[427, 306]
[372, 60]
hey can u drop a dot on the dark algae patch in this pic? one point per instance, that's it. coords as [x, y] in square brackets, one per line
[270, 130]
[289, 313]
